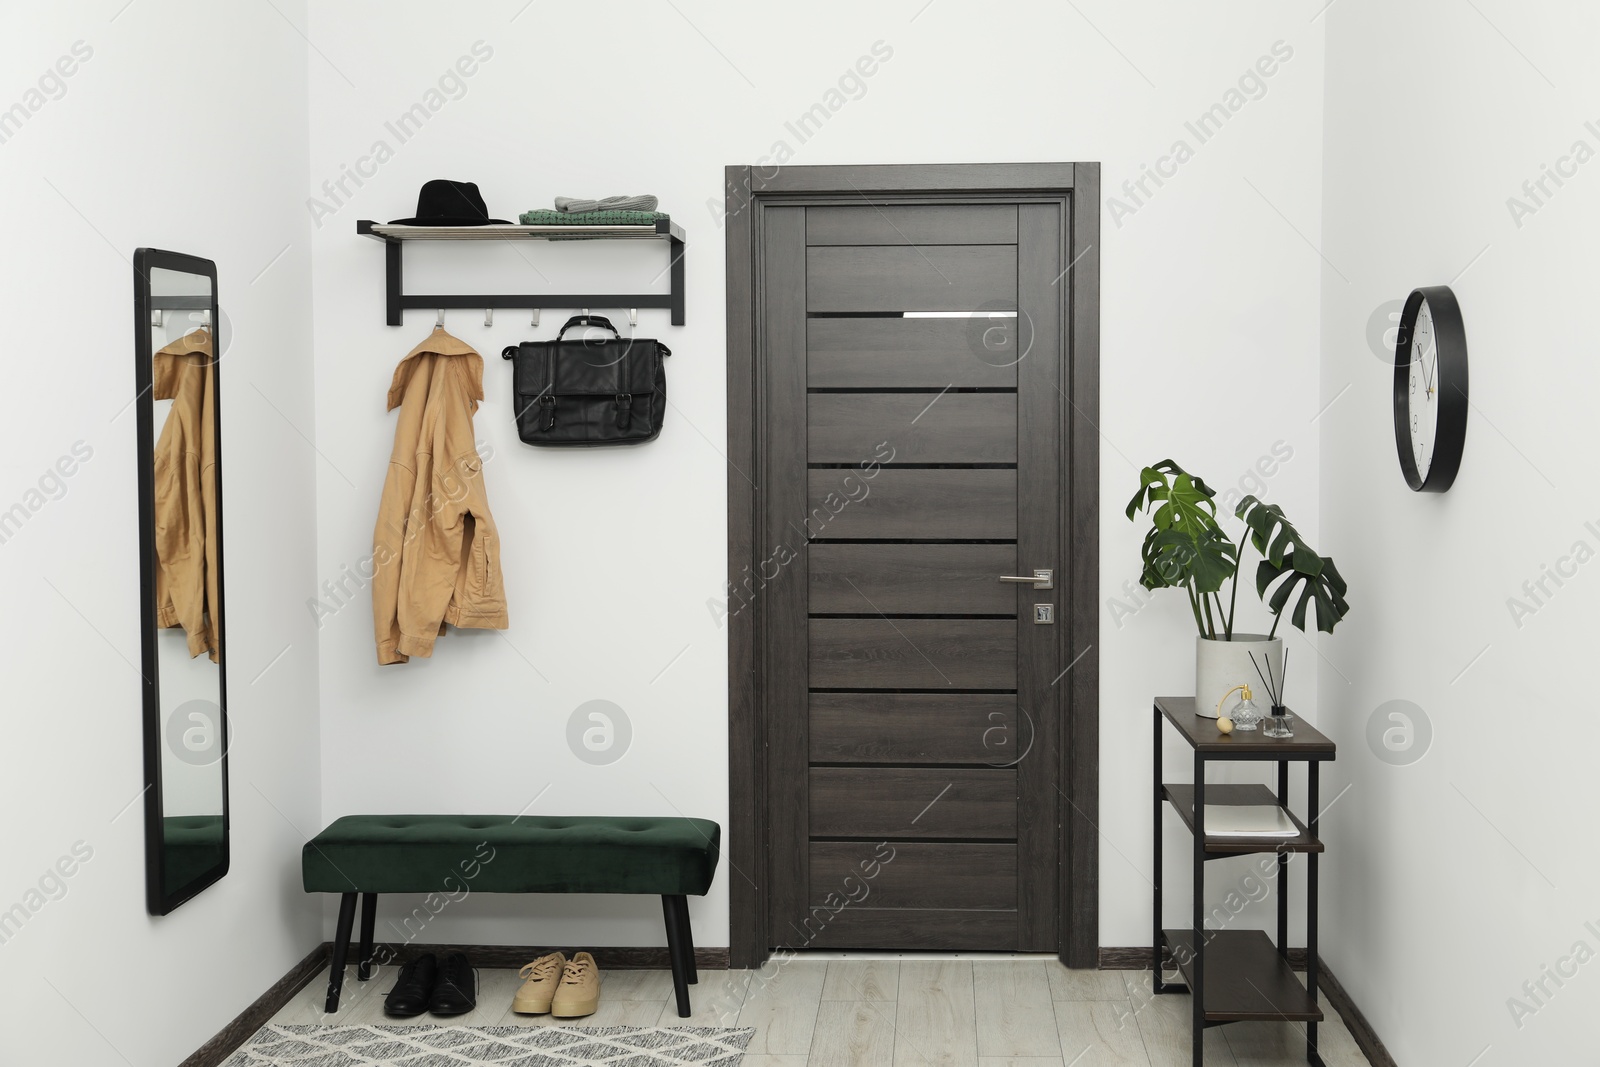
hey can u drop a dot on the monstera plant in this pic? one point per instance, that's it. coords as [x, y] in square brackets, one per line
[1187, 549]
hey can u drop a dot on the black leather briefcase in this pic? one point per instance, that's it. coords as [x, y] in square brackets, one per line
[594, 391]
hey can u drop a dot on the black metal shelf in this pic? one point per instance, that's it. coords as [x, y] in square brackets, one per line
[1236, 975]
[397, 301]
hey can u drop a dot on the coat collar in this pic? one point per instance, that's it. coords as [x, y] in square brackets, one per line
[438, 343]
[193, 349]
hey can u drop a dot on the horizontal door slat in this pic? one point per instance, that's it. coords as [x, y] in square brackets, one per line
[916, 728]
[908, 802]
[903, 278]
[913, 653]
[901, 929]
[912, 224]
[948, 428]
[917, 874]
[911, 353]
[912, 579]
[917, 504]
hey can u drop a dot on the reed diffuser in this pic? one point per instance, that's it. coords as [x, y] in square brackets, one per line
[1278, 723]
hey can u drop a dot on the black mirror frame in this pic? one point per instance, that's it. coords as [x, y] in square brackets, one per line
[158, 900]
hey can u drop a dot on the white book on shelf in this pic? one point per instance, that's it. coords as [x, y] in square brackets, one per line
[1248, 820]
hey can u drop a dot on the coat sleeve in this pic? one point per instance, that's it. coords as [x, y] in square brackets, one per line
[180, 546]
[388, 548]
[434, 555]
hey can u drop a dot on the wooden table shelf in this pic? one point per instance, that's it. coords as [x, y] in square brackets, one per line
[1247, 981]
[1182, 799]
[1203, 736]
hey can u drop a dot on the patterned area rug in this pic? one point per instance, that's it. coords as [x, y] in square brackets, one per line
[280, 1045]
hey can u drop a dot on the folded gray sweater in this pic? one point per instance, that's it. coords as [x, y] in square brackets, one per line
[609, 203]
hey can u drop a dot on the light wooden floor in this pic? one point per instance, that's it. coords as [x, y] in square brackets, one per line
[898, 1013]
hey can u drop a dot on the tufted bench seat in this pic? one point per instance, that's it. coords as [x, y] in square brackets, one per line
[454, 855]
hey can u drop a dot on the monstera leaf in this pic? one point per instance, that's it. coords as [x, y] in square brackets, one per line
[1185, 546]
[1202, 560]
[1286, 556]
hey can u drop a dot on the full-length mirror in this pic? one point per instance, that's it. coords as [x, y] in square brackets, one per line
[180, 532]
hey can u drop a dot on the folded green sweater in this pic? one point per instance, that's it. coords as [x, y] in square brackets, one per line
[547, 217]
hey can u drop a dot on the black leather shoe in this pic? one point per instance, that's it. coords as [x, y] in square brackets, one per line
[456, 991]
[412, 989]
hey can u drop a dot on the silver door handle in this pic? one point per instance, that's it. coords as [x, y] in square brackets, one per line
[1041, 578]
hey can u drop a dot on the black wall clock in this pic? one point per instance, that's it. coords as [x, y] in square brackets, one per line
[1430, 389]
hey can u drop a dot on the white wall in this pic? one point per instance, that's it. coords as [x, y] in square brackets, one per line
[170, 133]
[1209, 319]
[1460, 876]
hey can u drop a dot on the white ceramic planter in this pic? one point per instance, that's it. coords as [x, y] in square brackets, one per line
[1221, 664]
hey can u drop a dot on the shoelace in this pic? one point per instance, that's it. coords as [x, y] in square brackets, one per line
[575, 972]
[410, 979]
[456, 972]
[539, 969]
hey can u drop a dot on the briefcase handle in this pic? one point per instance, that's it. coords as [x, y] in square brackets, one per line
[589, 320]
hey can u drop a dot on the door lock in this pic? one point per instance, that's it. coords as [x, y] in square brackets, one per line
[1041, 578]
[1044, 614]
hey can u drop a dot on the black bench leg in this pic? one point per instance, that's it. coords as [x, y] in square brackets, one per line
[677, 938]
[687, 935]
[369, 918]
[341, 948]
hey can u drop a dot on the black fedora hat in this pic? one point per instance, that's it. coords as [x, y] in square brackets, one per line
[446, 203]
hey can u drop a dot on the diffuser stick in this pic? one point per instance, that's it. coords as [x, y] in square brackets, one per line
[1264, 682]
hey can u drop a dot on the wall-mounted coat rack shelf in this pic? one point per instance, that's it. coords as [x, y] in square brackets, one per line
[394, 238]
[160, 305]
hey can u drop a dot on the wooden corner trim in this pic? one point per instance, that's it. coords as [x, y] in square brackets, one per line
[264, 1007]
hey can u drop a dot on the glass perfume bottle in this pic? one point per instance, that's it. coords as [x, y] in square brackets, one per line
[1245, 714]
[1278, 724]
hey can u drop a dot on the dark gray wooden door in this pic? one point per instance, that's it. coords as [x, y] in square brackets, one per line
[911, 413]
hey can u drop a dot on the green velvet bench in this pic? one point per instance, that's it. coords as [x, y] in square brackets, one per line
[456, 855]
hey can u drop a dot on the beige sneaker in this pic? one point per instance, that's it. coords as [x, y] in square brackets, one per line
[579, 991]
[540, 979]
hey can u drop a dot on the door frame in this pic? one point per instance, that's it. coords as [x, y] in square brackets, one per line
[748, 191]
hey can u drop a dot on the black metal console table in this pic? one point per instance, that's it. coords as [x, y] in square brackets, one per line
[1239, 975]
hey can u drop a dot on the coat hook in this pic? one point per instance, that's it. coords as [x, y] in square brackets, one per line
[633, 316]
[585, 312]
[438, 323]
[155, 318]
[535, 318]
[488, 317]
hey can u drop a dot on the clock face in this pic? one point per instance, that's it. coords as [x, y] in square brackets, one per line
[1423, 396]
[1430, 389]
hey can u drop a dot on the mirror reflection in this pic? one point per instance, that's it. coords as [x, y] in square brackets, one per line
[186, 724]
